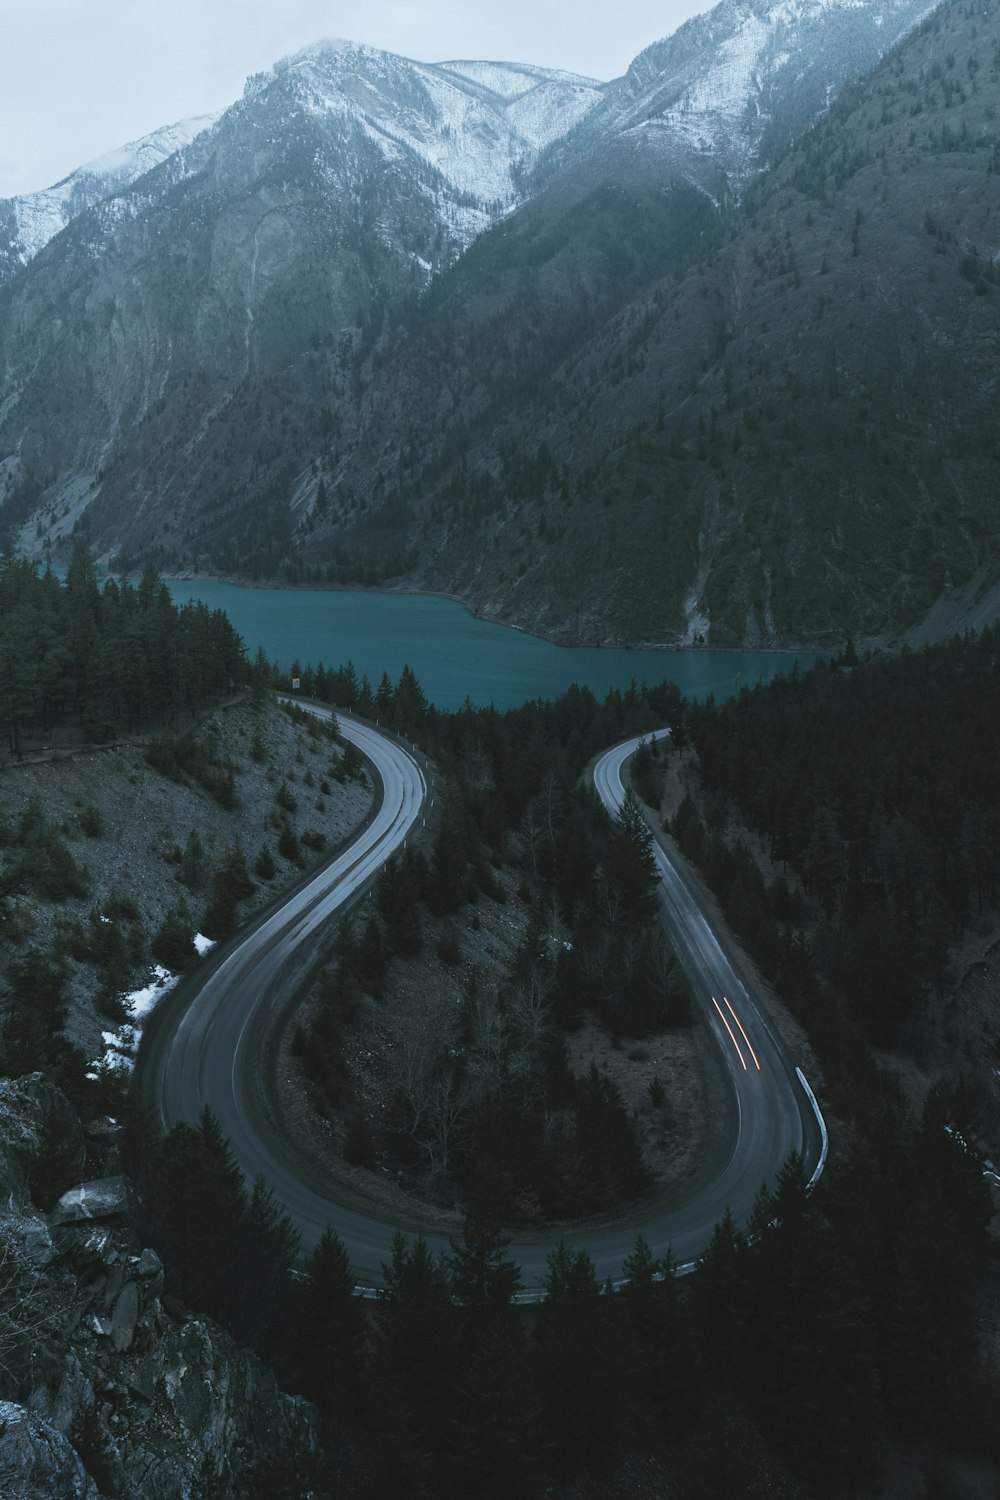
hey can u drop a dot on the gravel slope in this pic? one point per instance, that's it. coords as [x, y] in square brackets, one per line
[145, 820]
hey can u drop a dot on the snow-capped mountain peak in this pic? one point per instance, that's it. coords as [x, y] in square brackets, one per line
[30, 221]
[738, 82]
[479, 125]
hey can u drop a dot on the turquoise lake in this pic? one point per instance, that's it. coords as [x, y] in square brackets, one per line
[454, 655]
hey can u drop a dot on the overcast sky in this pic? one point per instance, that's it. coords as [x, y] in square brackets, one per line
[78, 77]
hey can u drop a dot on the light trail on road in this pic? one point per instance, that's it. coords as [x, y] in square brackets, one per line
[743, 1034]
[732, 1038]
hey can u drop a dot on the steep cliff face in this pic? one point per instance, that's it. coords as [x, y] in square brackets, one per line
[103, 1391]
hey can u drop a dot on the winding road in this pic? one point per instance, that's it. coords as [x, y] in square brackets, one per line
[207, 1044]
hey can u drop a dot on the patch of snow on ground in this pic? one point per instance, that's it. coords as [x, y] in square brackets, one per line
[121, 1046]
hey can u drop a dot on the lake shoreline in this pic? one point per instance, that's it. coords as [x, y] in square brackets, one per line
[459, 657]
[279, 586]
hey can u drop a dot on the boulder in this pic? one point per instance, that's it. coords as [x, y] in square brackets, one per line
[148, 1264]
[106, 1132]
[39, 1250]
[125, 1316]
[107, 1198]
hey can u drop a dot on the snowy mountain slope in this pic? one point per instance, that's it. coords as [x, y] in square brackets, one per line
[738, 83]
[479, 125]
[788, 436]
[29, 222]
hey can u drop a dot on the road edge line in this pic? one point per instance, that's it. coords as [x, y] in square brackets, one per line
[824, 1134]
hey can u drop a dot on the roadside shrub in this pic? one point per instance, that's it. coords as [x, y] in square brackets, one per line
[173, 944]
[54, 872]
[122, 907]
[288, 844]
[91, 821]
[231, 884]
[187, 758]
[285, 799]
[448, 950]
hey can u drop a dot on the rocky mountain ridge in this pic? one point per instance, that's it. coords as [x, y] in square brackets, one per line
[739, 82]
[29, 221]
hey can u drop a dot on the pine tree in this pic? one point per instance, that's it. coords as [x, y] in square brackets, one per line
[328, 1329]
[415, 1364]
[173, 943]
[483, 1281]
[192, 1204]
[579, 1362]
[631, 864]
[258, 1286]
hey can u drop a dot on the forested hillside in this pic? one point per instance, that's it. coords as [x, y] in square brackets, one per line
[873, 788]
[148, 793]
[485, 1108]
[90, 662]
[831, 1347]
[835, 1346]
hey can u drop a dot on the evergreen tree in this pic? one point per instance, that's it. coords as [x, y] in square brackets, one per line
[33, 1025]
[415, 1365]
[231, 884]
[631, 864]
[173, 944]
[483, 1281]
[580, 1364]
[192, 1204]
[192, 870]
[258, 1288]
[328, 1329]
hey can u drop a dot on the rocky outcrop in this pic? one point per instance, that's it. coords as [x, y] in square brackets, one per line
[37, 1460]
[106, 1388]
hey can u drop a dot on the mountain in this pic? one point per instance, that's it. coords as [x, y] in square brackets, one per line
[28, 222]
[736, 85]
[394, 320]
[212, 318]
[789, 437]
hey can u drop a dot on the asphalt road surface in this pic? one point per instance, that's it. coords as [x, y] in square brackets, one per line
[770, 1115]
[207, 1046]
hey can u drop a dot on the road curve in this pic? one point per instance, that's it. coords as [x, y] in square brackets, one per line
[772, 1114]
[207, 1046]
[204, 1046]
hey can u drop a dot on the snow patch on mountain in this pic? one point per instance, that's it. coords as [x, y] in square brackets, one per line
[716, 85]
[477, 124]
[512, 80]
[38, 217]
